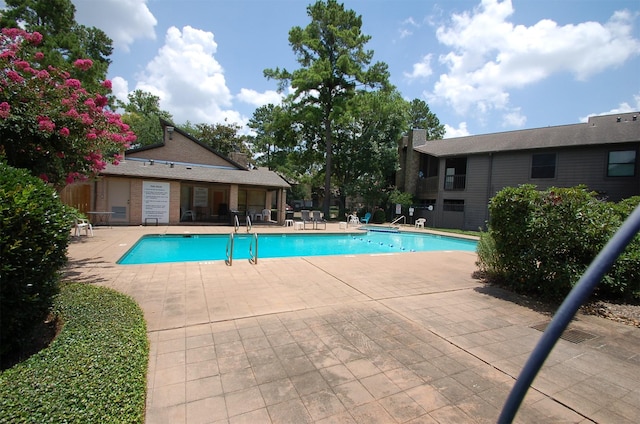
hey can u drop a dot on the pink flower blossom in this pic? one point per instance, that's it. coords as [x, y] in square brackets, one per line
[60, 154]
[83, 64]
[44, 177]
[35, 38]
[7, 54]
[45, 124]
[5, 109]
[38, 56]
[86, 119]
[73, 83]
[14, 76]
[43, 74]
[106, 84]
[91, 136]
[12, 32]
[101, 101]
[64, 131]
[72, 113]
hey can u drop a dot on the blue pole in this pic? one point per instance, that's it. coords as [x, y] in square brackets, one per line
[567, 310]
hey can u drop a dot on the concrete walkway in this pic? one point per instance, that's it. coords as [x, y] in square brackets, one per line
[406, 338]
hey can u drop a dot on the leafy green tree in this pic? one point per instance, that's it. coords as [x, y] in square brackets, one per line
[277, 139]
[365, 148]
[142, 113]
[334, 65]
[64, 40]
[420, 116]
[223, 138]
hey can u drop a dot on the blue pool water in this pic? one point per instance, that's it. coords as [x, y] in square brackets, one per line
[212, 247]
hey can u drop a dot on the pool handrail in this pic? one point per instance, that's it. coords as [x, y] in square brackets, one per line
[395, 221]
[253, 258]
[236, 223]
[229, 252]
[248, 223]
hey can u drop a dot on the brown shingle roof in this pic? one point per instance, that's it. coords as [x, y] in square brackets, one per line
[598, 130]
[163, 170]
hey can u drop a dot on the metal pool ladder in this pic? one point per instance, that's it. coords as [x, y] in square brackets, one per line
[253, 256]
[229, 251]
[253, 249]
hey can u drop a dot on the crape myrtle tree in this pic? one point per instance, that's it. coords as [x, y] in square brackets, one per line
[64, 40]
[334, 65]
[49, 123]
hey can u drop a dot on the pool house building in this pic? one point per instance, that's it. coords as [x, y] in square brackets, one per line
[180, 180]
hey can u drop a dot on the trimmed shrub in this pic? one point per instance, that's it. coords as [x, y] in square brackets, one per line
[34, 235]
[94, 371]
[378, 216]
[541, 242]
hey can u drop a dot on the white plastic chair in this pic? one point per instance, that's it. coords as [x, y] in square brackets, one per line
[266, 214]
[188, 214]
[420, 222]
[83, 224]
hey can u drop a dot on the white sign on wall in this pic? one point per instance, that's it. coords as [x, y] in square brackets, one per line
[155, 201]
[200, 196]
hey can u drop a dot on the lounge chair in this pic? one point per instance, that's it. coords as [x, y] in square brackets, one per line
[306, 218]
[366, 218]
[420, 222]
[82, 224]
[266, 215]
[318, 220]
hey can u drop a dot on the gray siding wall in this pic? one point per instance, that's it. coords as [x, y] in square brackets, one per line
[475, 196]
[586, 166]
[488, 174]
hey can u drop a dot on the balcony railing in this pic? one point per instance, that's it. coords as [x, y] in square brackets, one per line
[427, 186]
[455, 182]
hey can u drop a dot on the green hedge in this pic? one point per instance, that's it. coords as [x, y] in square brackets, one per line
[541, 242]
[94, 371]
[34, 235]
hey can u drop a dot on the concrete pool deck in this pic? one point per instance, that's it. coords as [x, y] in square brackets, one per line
[410, 337]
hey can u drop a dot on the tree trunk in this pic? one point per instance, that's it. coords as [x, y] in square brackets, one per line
[327, 178]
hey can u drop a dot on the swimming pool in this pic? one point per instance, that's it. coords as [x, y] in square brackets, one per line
[161, 248]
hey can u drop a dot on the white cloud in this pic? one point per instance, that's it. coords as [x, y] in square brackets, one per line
[490, 55]
[257, 99]
[188, 79]
[404, 31]
[124, 21]
[421, 69]
[623, 107]
[120, 88]
[451, 132]
[514, 119]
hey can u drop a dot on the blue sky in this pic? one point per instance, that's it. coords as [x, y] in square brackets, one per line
[482, 66]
